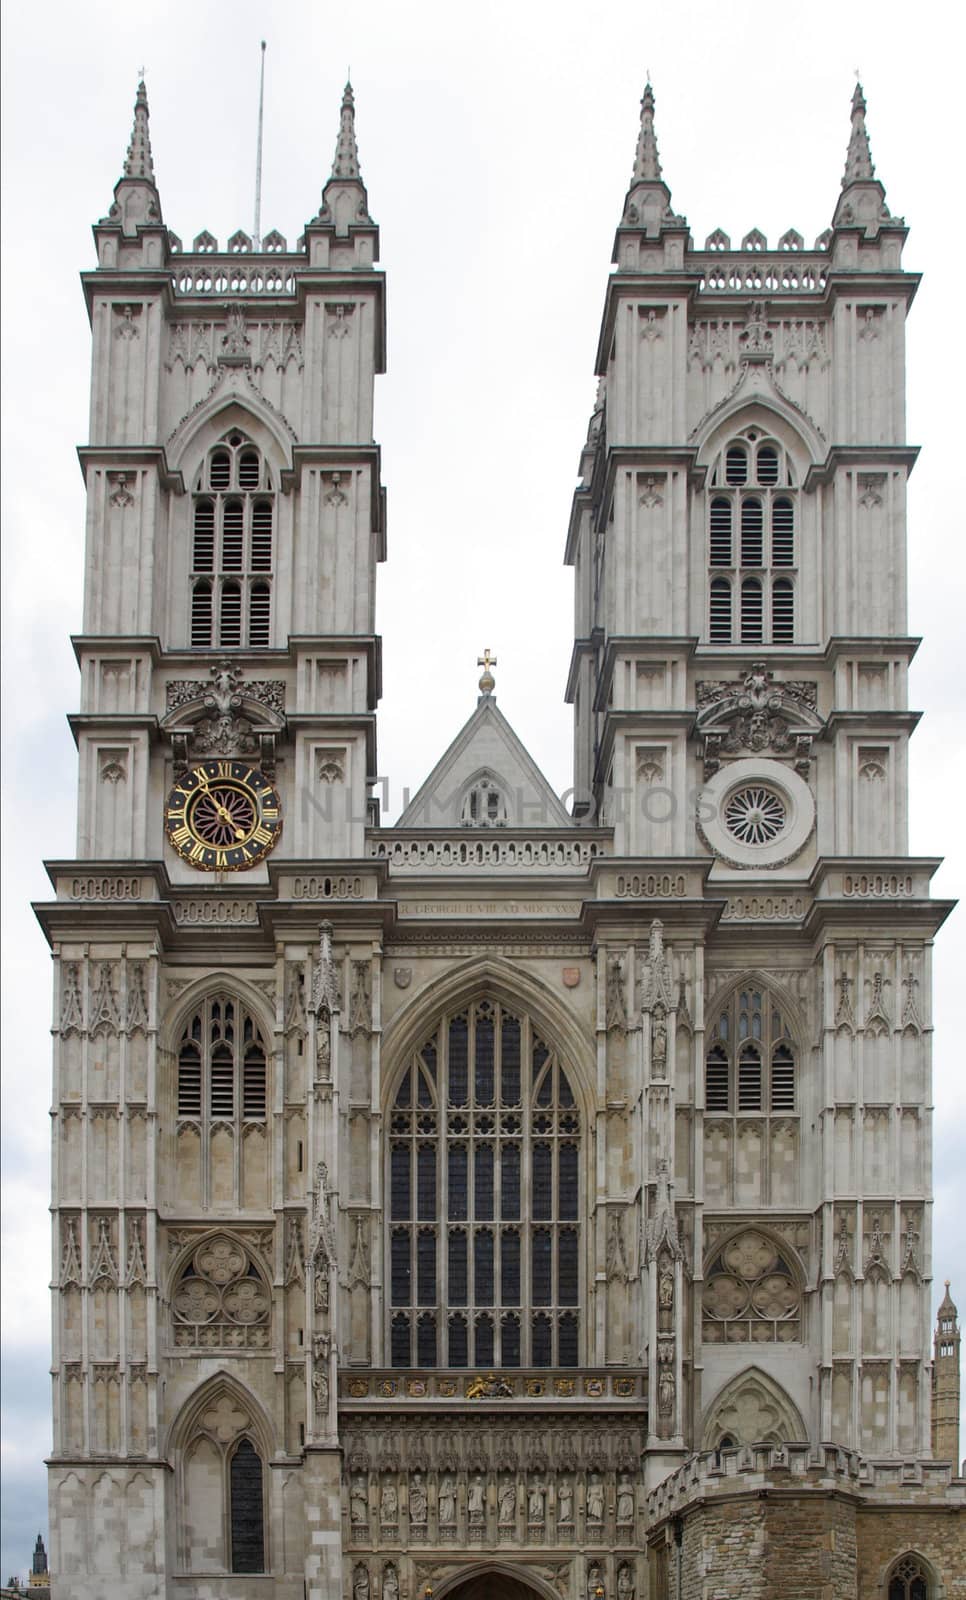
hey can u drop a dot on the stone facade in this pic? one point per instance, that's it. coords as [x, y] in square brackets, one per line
[430, 1200]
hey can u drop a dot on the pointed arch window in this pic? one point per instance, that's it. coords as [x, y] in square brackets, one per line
[909, 1580]
[752, 490]
[484, 804]
[483, 1182]
[222, 1503]
[222, 1064]
[750, 1059]
[232, 548]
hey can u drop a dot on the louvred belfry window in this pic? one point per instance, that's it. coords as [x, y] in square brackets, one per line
[484, 1186]
[222, 1066]
[750, 1059]
[752, 508]
[232, 549]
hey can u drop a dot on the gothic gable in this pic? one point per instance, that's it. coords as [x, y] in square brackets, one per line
[485, 779]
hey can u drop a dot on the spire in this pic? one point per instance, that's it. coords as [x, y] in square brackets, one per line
[647, 208]
[647, 162]
[862, 201]
[346, 163]
[136, 200]
[139, 162]
[858, 162]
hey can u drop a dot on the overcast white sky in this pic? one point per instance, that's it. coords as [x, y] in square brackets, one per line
[496, 143]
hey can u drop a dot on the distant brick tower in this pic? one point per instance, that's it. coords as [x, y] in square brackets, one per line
[945, 1383]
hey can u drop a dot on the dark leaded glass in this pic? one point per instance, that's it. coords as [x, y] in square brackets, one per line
[542, 1340]
[247, 1537]
[484, 1061]
[484, 1341]
[426, 1267]
[567, 1183]
[457, 1183]
[483, 1182]
[510, 1182]
[541, 1267]
[567, 1336]
[426, 1182]
[567, 1268]
[483, 1267]
[400, 1199]
[542, 1182]
[458, 1356]
[510, 1066]
[426, 1341]
[458, 1048]
[400, 1268]
[401, 1345]
[457, 1268]
[510, 1341]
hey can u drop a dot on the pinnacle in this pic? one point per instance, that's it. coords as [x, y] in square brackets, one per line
[647, 162]
[858, 162]
[139, 162]
[346, 163]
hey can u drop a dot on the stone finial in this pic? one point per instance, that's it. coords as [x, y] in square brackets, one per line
[647, 162]
[346, 163]
[487, 681]
[139, 162]
[858, 162]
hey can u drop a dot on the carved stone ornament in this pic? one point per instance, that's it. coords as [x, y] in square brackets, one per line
[105, 1015]
[323, 1232]
[756, 341]
[226, 716]
[616, 1005]
[121, 495]
[136, 1016]
[325, 983]
[360, 1000]
[71, 999]
[235, 343]
[103, 1268]
[877, 1018]
[657, 987]
[661, 1232]
[756, 714]
[70, 1263]
[136, 1272]
[618, 1267]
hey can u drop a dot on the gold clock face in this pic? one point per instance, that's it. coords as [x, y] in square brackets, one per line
[223, 816]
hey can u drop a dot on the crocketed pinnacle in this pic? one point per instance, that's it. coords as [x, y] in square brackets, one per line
[139, 162]
[647, 162]
[858, 162]
[346, 163]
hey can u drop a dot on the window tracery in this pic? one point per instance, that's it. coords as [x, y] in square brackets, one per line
[484, 804]
[232, 548]
[909, 1580]
[484, 1149]
[751, 543]
[750, 1061]
[222, 1065]
[221, 1300]
[223, 1484]
[752, 1293]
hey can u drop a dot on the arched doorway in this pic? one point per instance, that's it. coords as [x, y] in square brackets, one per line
[494, 1583]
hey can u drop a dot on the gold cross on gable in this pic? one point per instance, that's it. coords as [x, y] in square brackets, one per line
[486, 660]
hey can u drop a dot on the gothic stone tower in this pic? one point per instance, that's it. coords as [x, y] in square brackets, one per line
[946, 1382]
[456, 1207]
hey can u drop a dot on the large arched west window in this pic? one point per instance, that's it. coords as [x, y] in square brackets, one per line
[232, 548]
[752, 543]
[484, 1198]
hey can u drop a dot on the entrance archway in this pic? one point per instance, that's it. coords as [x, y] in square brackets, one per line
[494, 1582]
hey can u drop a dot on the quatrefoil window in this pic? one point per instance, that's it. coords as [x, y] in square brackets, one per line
[221, 1300]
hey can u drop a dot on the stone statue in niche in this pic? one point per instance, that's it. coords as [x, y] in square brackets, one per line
[418, 1499]
[625, 1582]
[536, 1502]
[389, 1503]
[360, 1583]
[565, 1501]
[447, 1500]
[359, 1501]
[508, 1502]
[659, 1042]
[665, 1382]
[320, 1389]
[476, 1499]
[390, 1583]
[323, 1046]
[616, 1007]
[595, 1498]
[625, 1499]
[595, 1581]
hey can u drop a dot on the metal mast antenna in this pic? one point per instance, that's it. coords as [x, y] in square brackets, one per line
[257, 240]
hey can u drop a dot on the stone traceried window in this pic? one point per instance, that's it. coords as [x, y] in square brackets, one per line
[221, 1301]
[221, 1100]
[750, 1059]
[484, 804]
[223, 1489]
[751, 543]
[909, 1580]
[752, 1293]
[483, 1183]
[232, 548]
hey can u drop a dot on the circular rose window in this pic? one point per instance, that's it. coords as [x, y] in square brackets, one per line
[755, 815]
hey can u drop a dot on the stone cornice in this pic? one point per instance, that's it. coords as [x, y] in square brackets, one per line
[868, 457]
[126, 456]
